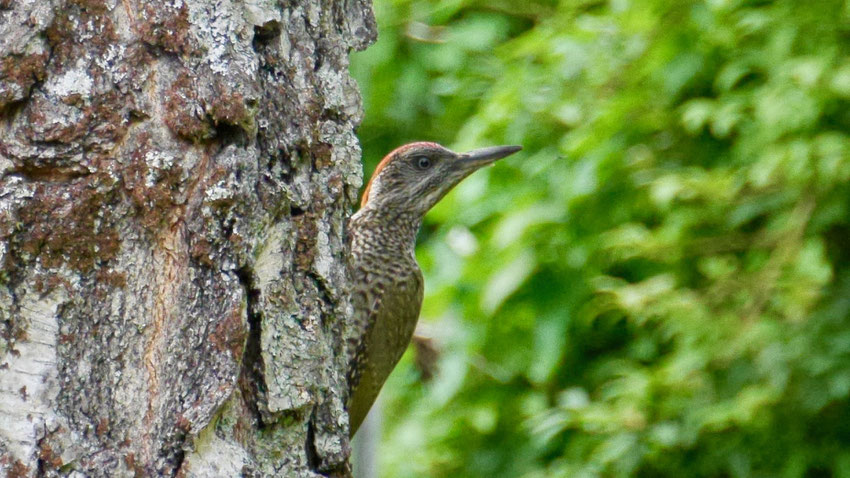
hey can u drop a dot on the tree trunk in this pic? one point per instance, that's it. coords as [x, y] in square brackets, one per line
[176, 175]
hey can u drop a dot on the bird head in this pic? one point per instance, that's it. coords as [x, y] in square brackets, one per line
[414, 177]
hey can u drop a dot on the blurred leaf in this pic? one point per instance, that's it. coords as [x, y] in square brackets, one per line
[658, 284]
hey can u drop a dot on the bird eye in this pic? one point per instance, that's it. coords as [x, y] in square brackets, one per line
[422, 162]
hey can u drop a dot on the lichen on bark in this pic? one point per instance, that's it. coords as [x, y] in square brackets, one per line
[176, 175]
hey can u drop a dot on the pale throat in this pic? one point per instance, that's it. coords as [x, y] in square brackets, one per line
[393, 231]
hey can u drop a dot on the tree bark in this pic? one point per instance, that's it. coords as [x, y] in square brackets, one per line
[176, 176]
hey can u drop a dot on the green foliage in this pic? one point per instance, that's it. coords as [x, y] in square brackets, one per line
[659, 285]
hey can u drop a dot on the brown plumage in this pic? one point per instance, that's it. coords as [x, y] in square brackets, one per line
[388, 284]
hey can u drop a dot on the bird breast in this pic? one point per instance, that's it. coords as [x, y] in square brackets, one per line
[388, 289]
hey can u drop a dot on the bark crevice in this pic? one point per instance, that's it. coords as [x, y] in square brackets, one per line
[174, 179]
[252, 381]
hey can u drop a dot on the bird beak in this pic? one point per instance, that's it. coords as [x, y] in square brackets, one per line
[484, 156]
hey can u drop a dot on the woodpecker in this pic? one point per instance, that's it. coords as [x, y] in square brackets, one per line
[388, 285]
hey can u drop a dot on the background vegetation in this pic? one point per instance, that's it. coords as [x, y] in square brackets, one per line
[659, 284]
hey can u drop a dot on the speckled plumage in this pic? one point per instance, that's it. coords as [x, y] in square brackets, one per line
[388, 285]
[386, 311]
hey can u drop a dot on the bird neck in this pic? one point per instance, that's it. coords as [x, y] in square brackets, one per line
[392, 231]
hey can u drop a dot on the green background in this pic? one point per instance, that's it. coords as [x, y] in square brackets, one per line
[659, 284]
